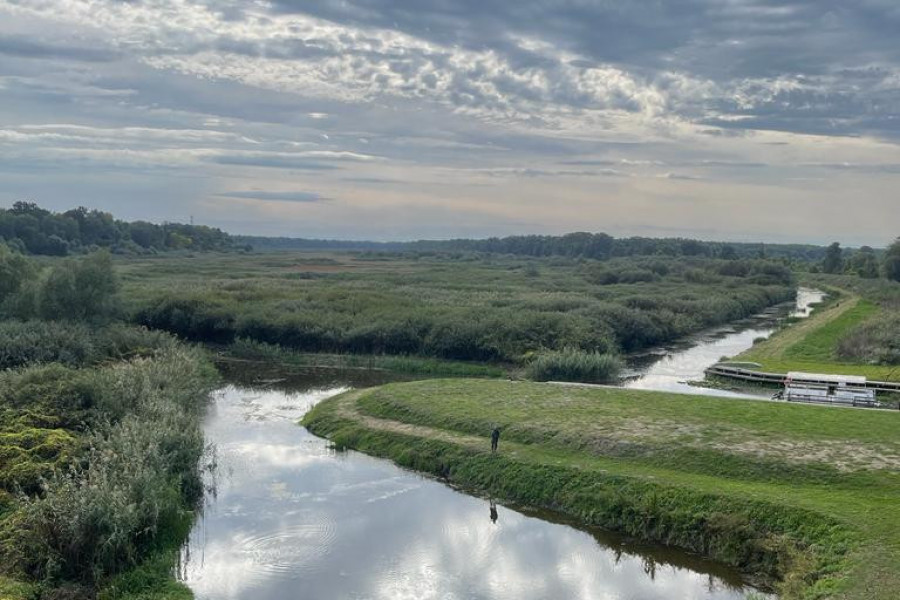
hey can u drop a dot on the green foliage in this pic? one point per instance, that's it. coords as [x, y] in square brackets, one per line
[891, 265]
[445, 307]
[270, 353]
[38, 231]
[80, 290]
[875, 341]
[151, 580]
[15, 271]
[571, 364]
[24, 343]
[864, 263]
[85, 289]
[833, 261]
[598, 246]
[131, 492]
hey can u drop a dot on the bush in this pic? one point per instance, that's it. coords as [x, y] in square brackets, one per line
[876, 341]
[575, 365]
[190, 318]
[137, 483]
[25, 343]
[84, 289]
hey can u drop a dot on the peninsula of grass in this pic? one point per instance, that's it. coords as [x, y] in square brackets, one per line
[811, 345]
[801, 498]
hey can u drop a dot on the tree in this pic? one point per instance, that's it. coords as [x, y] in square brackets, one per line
[85, 289]
[728, 252]
[834, 260]
[864, 263]
[891, 265]
[15, 270]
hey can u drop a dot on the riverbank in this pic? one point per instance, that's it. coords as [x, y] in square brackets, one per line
[244, 349]
[799, 496]
[810, 345]
[100, 472]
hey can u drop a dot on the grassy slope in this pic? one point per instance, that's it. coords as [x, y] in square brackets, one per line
[809, 345]
[722, 477]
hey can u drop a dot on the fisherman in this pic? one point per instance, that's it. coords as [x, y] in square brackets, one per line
[495, 438]
[493, 512]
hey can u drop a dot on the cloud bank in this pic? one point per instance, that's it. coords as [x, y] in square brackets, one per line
[747, 119]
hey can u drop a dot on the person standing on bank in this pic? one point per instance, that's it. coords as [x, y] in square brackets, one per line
[495, 438]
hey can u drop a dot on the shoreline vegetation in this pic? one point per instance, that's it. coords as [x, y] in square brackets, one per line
[797, 496]
[100, 440]
[855, 331]
[441, 314]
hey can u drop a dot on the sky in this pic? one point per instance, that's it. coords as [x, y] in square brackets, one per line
[741, 120]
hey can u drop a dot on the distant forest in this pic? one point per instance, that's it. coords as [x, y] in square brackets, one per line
[588, 245]
[30, 229]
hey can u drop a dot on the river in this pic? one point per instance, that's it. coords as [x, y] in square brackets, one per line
[671, 368]
[288, 517]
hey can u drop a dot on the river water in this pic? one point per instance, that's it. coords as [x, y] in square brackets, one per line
[671, 368]
[288, 517]
[291, 518]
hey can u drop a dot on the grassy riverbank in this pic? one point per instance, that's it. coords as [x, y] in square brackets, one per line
[801, 494]
[250, 350]
[814, 344]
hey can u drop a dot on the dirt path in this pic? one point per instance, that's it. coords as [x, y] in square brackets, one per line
[346, 407]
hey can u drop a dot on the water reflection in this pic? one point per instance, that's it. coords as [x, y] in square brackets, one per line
[292, 518]
[672, 368]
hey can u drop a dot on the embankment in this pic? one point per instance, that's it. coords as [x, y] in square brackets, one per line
[765, 487]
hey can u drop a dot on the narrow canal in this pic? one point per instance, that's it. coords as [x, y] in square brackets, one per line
[288, 517]
[672, 368]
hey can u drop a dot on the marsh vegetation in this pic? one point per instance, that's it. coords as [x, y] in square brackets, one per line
[484, 308]
[100, 443]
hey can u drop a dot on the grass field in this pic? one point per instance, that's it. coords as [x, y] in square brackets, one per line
[811, 344]
[802, 494]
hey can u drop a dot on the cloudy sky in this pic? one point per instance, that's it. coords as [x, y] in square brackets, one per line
[399, 119]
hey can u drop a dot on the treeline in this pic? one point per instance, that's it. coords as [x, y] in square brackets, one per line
[864, 262]
[598, 246]
[30, 229]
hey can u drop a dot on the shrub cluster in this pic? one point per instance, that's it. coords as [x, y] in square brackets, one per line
[575, 365]
[24, 343]
[84, 289]
[460, 311]
[134, 485]
[877, 341]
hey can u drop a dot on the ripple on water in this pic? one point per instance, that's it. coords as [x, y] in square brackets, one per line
[291, 551]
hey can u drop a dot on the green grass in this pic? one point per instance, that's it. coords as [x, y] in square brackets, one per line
[802, 493]
[819, 344]
[11, 589]
[810, 345]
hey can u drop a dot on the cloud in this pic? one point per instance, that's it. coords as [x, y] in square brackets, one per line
[22, 47]
[276, 196]
[679, 176]
[482, 109]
